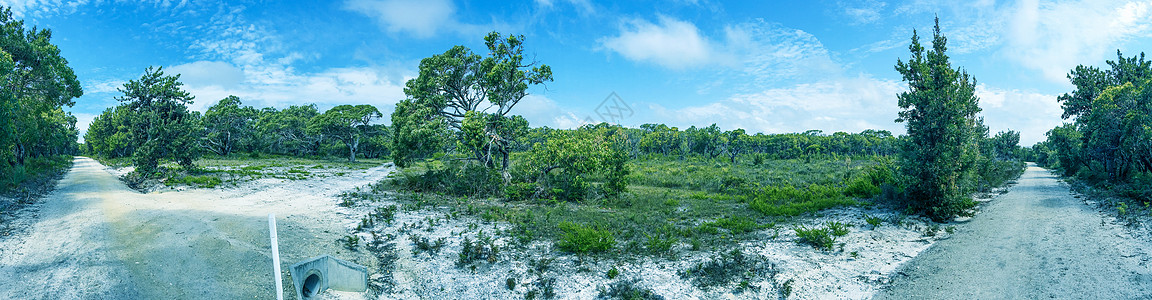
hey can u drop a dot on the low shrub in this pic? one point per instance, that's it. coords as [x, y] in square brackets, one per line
[735, 224]
[629, 290]
[819, 238]
[727, 267]
[584, 239]
[484, 249]
[791, 201]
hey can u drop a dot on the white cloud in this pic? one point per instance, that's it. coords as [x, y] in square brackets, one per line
[1030, 113]
[863, 12]
[208, 73]
[422, 18]
[279, 86]
[1055, 37]
[671, 43]
[848, 104]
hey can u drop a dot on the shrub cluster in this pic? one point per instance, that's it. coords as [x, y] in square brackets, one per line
[585, 239]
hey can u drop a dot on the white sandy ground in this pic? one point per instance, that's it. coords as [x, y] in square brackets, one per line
[93, 238]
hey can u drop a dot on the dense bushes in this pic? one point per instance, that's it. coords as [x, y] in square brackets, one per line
[788, 200]
[582, 239]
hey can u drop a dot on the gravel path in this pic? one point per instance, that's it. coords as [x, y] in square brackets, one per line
[94, 238]
[1037, 241]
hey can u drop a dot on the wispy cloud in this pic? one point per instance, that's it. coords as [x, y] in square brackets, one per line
[1055, 37]
[848, 104]
[669, 42]
[1031, 113]
[421, 18]
[863, 12]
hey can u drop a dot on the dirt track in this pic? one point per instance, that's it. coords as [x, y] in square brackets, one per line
[94, 238]
[1037, 241]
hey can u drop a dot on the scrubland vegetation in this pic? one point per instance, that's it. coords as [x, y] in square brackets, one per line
[1107, 145]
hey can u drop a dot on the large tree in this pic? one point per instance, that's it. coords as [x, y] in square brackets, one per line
[35, 84]
[228, 124]
[349, 124]
[939, 111]
[162, 127]
[459, 85]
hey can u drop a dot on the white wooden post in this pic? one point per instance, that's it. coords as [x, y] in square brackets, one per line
[275, 256]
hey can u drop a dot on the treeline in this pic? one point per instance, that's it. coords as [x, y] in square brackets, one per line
[36, 83]
[147, 120]
[1109, 141]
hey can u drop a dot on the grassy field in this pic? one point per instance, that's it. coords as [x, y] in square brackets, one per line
[672, 204]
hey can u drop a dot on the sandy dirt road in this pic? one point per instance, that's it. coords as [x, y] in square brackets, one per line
[94, 238]
[1036, 242]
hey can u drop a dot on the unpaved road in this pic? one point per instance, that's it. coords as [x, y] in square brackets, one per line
[94, 238]
[1037, 241]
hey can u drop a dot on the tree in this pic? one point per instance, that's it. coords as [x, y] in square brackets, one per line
[35, 83]
[227, 124]
[109, 135]
[567, 157]
[939, 110]
[347, 123]
[457, 82]
[417, 132]
[735, 142]
[286, 131]
[161, 125]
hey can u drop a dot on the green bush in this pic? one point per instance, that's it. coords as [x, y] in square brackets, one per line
[790, 201]
[484, 248]
[725, 268]
[205, 181]
[735, 224]
[519, 191]
[819, 238]
[584, 239]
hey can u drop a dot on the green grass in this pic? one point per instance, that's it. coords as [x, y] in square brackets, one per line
[669, 204]
[204, 181]
[36, 172]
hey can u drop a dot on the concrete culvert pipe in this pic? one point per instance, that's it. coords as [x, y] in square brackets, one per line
[313, 276]
[311, 286]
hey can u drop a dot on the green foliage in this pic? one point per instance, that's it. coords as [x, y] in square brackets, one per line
[458, 178]
[939, 110]
[519, 191]
[627, 290]
[837, 228]
[873, 221]
[36, 84]
[348, 124]
[350, 242]
[426, 245]
[791, 201]
[726, 267]
[823, 238]
[205, 181]
[446, 100]
[581, 239]
[484, 248]
[566, 158]
[160, 125]
[35, 171]
[612, 273]
[735, 224]
[227, 125]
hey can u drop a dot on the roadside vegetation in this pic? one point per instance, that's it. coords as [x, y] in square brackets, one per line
[1107, 145]
[596, 191]
[37, 137]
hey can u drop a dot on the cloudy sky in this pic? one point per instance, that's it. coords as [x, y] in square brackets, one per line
[766, 66]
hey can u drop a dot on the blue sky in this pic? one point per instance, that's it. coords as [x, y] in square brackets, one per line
[766, 66]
